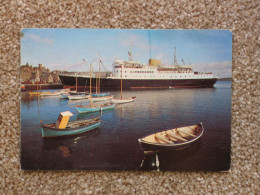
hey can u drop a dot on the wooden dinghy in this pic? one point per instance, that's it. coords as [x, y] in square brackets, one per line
[34, 93]
[78, 97]
[101, 98]
[54, 93]
[45, 93]
[74, 95]
[50, 93]
[77, 93]
[64, 128]
[173, 139]
[123, 100]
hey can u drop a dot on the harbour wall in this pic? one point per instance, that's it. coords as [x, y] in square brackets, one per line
[32, 87]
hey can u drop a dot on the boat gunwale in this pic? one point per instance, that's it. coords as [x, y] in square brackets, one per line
[78, 97]
[140, 140]
[95, 109]
[130, 98]
[108, 97]
[62, 136]
[96, 106]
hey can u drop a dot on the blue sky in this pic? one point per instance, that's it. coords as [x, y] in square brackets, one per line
[65, 49]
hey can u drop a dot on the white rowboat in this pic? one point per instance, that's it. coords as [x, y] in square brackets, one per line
[123, 100]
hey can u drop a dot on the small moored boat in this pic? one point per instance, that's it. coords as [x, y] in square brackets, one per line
[64, 128]
[173, 139]
[49, 93]
[34, 93]
[74, 95]
[77, 93]
[78, 97]
[124, 100]
[94, 107]
[100, 94]
[101, 98]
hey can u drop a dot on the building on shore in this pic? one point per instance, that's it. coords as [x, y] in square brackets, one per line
[40, 74]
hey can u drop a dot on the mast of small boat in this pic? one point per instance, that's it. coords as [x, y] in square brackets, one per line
[76, 82]
[37, 80]
[90, 84]
[121, 81]
[96, 83]
[99, 75]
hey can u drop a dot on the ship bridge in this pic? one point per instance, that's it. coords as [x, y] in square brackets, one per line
[119, 63]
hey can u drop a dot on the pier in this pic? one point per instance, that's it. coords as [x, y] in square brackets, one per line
[31, 87]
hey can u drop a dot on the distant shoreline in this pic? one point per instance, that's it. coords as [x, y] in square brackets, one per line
[224, 79]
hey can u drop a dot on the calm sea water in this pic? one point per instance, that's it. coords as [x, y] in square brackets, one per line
[114, 145]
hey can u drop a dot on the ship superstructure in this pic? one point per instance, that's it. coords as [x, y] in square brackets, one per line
[154, 70]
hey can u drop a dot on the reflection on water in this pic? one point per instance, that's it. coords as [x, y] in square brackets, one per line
[65, 151]
[67, 145]
[175, 159]
[114, 145]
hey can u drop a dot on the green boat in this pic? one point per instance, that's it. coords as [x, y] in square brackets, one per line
[72, 128]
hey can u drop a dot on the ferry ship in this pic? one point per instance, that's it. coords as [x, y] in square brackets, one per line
[153, 75]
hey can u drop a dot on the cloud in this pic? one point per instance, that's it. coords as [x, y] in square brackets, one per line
[220, 69]
[78, 66]
[39, 39]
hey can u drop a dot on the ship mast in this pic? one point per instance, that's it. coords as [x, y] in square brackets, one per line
[175, 58]
[130, 53]
[149, 39]
[121, 81]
